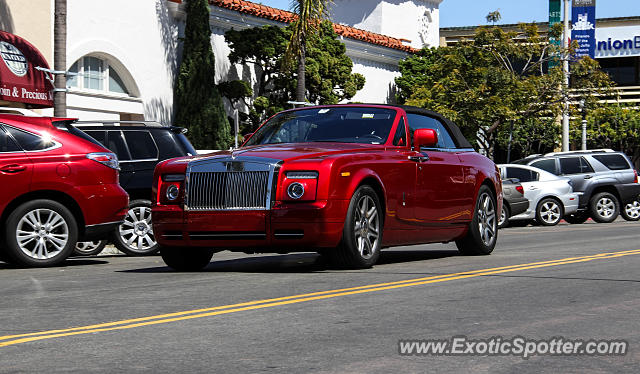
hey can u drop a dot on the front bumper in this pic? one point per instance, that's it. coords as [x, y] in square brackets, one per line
[286, 227]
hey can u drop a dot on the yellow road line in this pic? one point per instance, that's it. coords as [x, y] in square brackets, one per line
[269, 303]
[141, 319]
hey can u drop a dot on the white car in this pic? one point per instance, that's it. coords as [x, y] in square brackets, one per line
[550, 197]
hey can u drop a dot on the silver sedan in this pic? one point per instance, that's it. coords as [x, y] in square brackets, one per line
[550, 197]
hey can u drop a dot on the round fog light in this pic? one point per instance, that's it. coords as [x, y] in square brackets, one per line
[172, 192]
[295, 190]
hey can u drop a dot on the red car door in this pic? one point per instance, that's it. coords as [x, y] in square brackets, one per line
[15, 169]
[439, 197]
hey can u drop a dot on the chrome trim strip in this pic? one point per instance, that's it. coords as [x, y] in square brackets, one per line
[288, 236]
[103, 224]
[55, 145]
[220, 165]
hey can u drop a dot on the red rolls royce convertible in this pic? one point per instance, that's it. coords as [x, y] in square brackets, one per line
[342, 180]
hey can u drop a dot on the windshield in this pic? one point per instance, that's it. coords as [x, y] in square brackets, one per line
[338, 124]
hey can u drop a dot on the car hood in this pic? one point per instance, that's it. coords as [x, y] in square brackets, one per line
[288, 151]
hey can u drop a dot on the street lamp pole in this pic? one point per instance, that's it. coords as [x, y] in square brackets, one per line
[565, 69]
[583, 111]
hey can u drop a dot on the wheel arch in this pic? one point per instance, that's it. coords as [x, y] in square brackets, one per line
[606, 188]
[376, 184]
[53, 195]
[554, 197]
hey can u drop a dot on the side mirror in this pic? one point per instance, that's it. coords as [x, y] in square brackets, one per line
[246, 137]
[424, 138]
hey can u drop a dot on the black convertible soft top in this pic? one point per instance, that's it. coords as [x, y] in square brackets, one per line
[454, 130]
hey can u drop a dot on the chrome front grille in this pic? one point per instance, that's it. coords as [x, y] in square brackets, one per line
[228, 190]
[232, 184]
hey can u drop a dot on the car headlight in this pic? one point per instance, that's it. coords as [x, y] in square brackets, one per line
[295, 190]
[173, 192]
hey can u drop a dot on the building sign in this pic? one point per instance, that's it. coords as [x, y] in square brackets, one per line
[583, 27]
[20, 81]
[623, 41]
[554, 17]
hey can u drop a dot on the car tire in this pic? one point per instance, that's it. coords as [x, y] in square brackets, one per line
[362, 234]
[89, 248]
[4, 257]
[549, 212]
[604, 207]
[48, 233]
[186, 259]
[482, 235]
[135, 235]
[631, 211]
[577, 218]
[504, 216]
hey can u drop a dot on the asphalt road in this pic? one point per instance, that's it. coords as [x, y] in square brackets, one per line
[290, 314]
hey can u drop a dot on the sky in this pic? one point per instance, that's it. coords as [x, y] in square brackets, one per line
[473, 12]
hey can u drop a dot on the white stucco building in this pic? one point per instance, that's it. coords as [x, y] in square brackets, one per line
[126, 53]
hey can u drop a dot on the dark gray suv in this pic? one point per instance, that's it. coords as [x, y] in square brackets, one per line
[604, 179]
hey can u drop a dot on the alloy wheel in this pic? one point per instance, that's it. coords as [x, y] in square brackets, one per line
[366, 227]
[42, 234]
[633, 210]
[87, 246]
[550, 212]
[136, 231]
[503, 216]
[605, 207]
[487, 225]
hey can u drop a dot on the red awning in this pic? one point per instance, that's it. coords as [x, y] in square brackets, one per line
[19, 79]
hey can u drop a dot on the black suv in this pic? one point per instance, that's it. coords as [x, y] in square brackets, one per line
[140, 146]
[604, 179]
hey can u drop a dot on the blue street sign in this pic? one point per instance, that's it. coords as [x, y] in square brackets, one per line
[583, 27]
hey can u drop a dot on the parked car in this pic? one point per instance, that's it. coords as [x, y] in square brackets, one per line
[514, 201]
[59, 186]
[343, 180]
[604, 180]
[550, 197]
[140, 146]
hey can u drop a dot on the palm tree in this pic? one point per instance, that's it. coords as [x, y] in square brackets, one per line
[494, 16]
[310, 13]
[60, 57]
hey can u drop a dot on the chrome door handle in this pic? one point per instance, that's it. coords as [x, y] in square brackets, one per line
[419, 158]
[588, 176]
[12, 169]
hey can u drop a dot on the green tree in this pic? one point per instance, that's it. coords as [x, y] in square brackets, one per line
[310, 15]
[497, 79]
[328, 71]
[262, 46]
[197, 99]
[612, 126]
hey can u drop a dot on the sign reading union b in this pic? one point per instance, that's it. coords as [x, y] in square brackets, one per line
[583, 27]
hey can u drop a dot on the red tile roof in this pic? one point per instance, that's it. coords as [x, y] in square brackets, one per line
[284, 16]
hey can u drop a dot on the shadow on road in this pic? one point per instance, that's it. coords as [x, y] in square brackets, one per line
[67, 263]
[301, 262]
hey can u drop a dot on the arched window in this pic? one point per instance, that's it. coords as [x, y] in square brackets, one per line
[96, 74]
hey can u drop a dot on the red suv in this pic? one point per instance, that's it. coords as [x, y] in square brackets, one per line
[59, 186]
